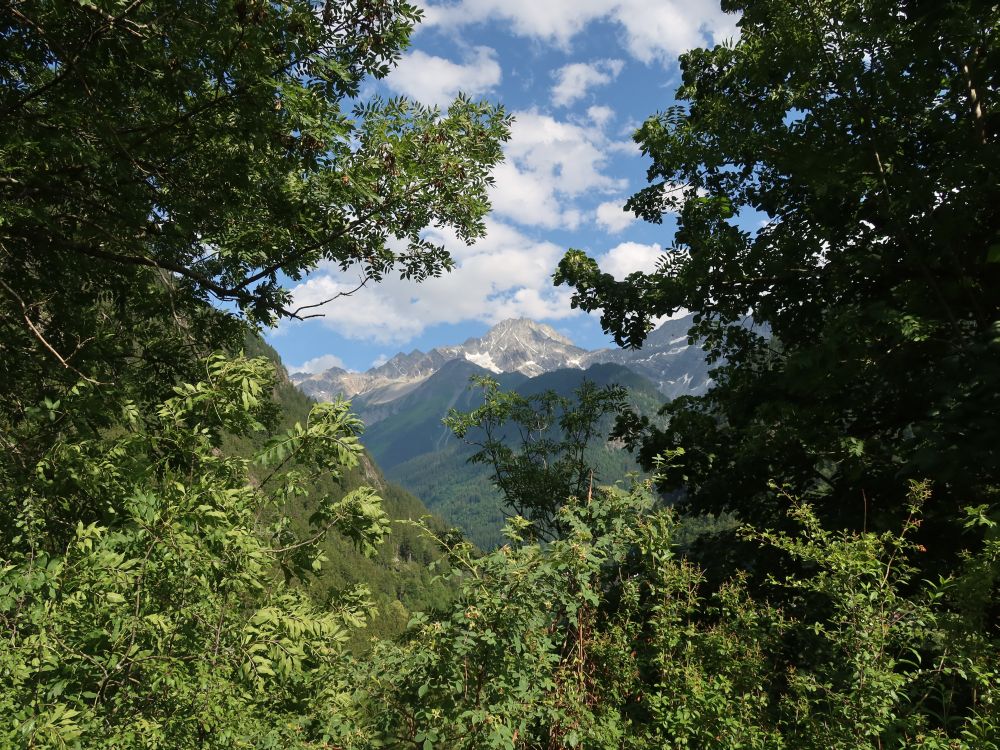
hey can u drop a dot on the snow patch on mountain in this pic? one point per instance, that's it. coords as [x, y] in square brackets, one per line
[484, 360]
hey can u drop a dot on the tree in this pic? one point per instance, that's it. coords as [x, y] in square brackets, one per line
[155, 157]
[606, 638]
[548, 464]
[857, 331]
[138, 596]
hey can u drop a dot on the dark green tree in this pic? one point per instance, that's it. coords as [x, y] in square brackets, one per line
[156, 158]
[165, 170]
[857, 330]
[608, 639]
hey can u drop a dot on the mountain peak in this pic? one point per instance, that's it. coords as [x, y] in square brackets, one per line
[526, 326]
[521, 345]
[528, 347]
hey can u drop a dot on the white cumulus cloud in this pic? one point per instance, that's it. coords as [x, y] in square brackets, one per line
[600, 115]
[612, 217]
[549, 164]
[506, 274]
[651, 30]
[557, 21]
[319, 364]
[629, 257]
[575, 80]
[436, 80]
[660, 31]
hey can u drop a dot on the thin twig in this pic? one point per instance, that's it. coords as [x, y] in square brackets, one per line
[38, 335]
[295, 313]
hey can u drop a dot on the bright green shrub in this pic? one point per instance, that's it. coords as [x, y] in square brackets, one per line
[155, 619]
[607, 639]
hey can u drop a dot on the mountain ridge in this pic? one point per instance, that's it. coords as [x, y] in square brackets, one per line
[402, 403]
[676, 366]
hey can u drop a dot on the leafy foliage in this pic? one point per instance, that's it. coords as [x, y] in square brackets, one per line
[158, 156]
[397, 573]
[146, 613]
[158, 566]
[550, 464]
[608, 639]
[171, 131]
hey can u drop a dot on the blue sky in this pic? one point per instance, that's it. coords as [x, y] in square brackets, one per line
[579, 76]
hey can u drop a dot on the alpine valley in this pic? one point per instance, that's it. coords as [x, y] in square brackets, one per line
[403, 401]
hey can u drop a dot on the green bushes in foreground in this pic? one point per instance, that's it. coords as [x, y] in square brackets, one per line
[607, 639]
[140, 598]
[163, 621]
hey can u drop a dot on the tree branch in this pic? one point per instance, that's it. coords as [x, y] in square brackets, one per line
[41, 338]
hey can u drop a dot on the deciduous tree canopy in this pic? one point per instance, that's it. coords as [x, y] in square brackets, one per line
[860, 321]
[165, 168]
[157, 153]
[160, 156]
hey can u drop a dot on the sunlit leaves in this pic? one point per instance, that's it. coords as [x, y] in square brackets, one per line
[215, 144]
[536, 446]
[608, 638]
[158, 615]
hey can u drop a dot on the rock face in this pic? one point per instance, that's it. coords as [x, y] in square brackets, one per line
[327, 385]
[520, 346]
[676, 367]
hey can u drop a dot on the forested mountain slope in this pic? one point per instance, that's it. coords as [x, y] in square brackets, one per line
[414, 448]
[403, 401]
[398, 574]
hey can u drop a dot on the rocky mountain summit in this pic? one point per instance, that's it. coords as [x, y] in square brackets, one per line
[676, 367]
[523, 346]
[520, 345]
